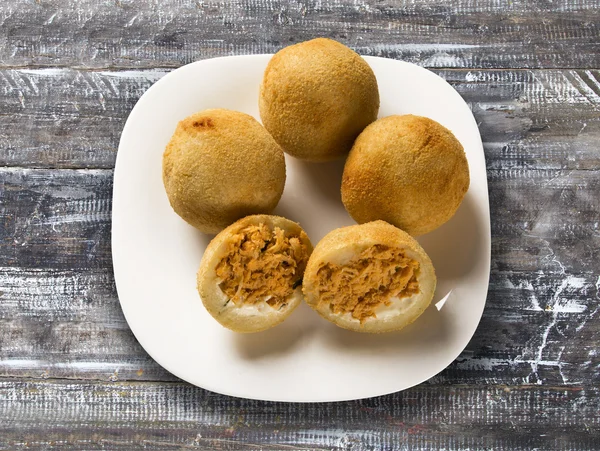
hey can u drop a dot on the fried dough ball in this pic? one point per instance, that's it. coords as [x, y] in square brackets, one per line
[221, 165]
[251, 273]
[371, 277]
[316, 97]
[407, 170]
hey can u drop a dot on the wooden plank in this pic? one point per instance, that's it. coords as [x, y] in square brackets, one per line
[462, 34]
[63, 118]
[55, 219]
[67, 324]
[72, 415]
[543, 220]
[544, 190]
[542, 173]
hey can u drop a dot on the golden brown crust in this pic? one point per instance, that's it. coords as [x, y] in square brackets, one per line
[244, 318]
[340, 245]
[407, 170]
[221, 165]
[316, 97]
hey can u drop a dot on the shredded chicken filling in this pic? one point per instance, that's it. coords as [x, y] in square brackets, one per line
[262, 265]
[368, 280]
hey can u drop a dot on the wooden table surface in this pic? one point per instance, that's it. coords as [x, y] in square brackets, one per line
[72, 376]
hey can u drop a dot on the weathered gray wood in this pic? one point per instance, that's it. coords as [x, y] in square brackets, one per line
[544, 220]
[55, 219]
[60, 315]
[545, 119]
[529, 378]
[66, 118]
[536, 329]
[136, 415]
[124, 34]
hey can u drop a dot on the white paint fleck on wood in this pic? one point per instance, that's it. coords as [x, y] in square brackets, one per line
[150, 75]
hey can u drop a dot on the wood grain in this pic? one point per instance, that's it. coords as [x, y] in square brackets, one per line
[64, 118]
[72, 375]
[462, 34]
[541, 322]
[175, 415]
[61, 316]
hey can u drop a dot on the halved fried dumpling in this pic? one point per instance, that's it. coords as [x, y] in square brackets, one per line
[251, 273]
[371, 277]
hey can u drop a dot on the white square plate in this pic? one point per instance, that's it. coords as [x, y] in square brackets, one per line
[156, 254]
